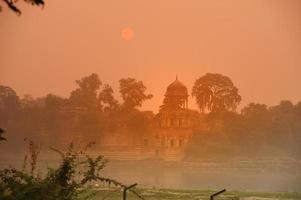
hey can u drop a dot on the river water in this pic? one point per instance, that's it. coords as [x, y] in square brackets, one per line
[254, 175]
[237, 175]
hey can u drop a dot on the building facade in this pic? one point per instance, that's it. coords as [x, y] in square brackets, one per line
[172, 130]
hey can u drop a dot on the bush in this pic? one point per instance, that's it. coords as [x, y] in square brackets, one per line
[66, 182]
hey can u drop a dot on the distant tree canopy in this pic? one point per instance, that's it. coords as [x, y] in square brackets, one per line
[254, 110]
[215, 93]
[133, 93]
[12, 4]
[8, 97]
[9, 100]
[54, 102]
[89, 94]
[259, 129]
[91, 109]
[107, 99]
[86, 94]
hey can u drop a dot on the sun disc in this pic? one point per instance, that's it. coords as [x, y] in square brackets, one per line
[127, 33]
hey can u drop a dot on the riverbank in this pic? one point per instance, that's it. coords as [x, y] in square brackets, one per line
[176, 194]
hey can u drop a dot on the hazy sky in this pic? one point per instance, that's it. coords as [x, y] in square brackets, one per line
[257, 43]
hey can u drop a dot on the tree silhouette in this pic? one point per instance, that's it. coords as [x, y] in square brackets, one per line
[54, 102]
[11, 4]
[86, 94]
[215, 93]
[133, 93]
[283, 122]
[107, 100]
[8, 98]
[254, 110]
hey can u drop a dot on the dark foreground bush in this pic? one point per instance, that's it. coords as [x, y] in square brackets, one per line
[66, 182]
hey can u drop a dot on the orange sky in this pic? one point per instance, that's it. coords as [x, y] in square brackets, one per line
[255, 42]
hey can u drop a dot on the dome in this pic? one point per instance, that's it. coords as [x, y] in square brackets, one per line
[177, 88]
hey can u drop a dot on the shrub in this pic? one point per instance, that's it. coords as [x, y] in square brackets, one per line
[66, 182]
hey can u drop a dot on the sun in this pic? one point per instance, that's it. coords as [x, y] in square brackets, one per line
[127, 33]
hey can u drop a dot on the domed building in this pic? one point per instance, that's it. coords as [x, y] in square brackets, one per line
[176, 95]
[174, 112]
[175, 123]
[171, 130]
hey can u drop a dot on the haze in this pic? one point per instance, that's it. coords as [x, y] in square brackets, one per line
[255, 42]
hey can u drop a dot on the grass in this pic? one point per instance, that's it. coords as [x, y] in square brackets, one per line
[175, 194]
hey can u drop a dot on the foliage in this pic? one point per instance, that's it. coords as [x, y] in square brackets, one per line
[216, 93]
[91, 109]
[259, 131]
[66, 182]
[9, 106]
[107, 100]
[9, 100]
[54, 102]
[11, 4]
[86, 94]
[133, 93]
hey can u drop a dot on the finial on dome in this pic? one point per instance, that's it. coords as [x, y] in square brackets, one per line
[177, 77]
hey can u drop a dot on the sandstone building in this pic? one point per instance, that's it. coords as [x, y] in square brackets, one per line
[172, 129]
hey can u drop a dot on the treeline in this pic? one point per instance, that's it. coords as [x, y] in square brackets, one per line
[258, 131]
[89, 111]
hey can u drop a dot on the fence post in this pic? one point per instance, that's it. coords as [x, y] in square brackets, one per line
[125, 189]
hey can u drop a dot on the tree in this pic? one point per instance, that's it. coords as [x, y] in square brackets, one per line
[107, 100]
[215, 93]
[133, 93]
[54, 102]
[9, 105]
[254, 110]
[297, 126]
[257, 117]
[283, 123]
[27, 102]
[8, 99]
[257, 122]
[68, 181]
[297, 109]
[86, 94]
[285, 107]
[11, 4]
